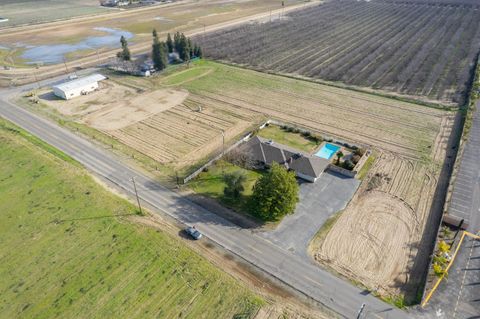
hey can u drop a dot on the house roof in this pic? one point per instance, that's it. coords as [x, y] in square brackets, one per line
[78, 83]
[266, 151]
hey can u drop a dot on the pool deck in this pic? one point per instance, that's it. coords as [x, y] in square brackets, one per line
[324, 145]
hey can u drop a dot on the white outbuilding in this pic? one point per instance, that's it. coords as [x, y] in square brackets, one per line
[82, 86]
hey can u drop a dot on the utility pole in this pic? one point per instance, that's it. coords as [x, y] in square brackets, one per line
[136, 194]
[223, 152]
[360, 311]
[36, 79]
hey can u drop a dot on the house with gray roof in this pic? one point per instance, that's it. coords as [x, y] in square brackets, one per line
[266, 152]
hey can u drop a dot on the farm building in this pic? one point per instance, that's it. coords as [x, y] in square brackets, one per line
[82, 86]
[264, 151]
[114, 3]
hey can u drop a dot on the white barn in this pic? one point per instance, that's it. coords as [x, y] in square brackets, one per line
[82, 86]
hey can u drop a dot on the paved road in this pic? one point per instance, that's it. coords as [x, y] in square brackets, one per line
[334, 293]
[459, 296]
[465, 200]
[318, 201]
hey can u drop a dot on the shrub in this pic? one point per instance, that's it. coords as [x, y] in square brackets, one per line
[234, 184]
[438, 270]
[440, 260]
[359, 151]
[306, 134]
[446, 231]
[316, 139]
[356, 158]
[348, 165]
[443, 247]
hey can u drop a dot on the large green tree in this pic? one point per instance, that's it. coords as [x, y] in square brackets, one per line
[198, 51]
[275, 194]
[159, 53]
[176, 41]
[184, 48]
[125, 53]
[169, 42]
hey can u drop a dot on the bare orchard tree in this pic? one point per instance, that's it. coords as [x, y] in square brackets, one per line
[241, 158]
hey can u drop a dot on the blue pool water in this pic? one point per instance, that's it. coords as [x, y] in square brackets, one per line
[327, 151]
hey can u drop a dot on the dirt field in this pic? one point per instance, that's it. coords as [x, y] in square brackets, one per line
[114, 107]
[404, 128]
[376, 238]
[236, 99]
[164, 124]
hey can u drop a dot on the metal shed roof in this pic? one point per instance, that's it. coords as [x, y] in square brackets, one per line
[71, 85]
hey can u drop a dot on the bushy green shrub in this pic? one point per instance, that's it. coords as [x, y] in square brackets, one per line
[438, 270]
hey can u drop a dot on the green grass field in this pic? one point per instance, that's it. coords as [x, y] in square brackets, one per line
[295, 140]
[35, 11]
[69, 250]
[211, 184]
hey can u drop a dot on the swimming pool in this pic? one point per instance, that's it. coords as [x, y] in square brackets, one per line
[327, 151]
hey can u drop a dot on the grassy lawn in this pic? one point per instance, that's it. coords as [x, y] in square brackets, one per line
[366, 167]
[186, 75]
[12, 58]
[295, 140]
[211, 184]
[69, 250]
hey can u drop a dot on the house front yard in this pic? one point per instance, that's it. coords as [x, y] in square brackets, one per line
[211, 184]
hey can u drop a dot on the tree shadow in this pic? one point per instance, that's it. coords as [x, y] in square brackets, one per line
[216, 211]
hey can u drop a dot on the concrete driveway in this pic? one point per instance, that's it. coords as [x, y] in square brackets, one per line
[318, 201]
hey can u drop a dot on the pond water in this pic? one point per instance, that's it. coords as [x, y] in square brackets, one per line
[51, 54]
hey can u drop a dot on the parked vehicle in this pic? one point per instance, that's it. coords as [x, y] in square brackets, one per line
[194, 233]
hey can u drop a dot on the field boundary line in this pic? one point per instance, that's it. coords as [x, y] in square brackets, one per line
[439, 280]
